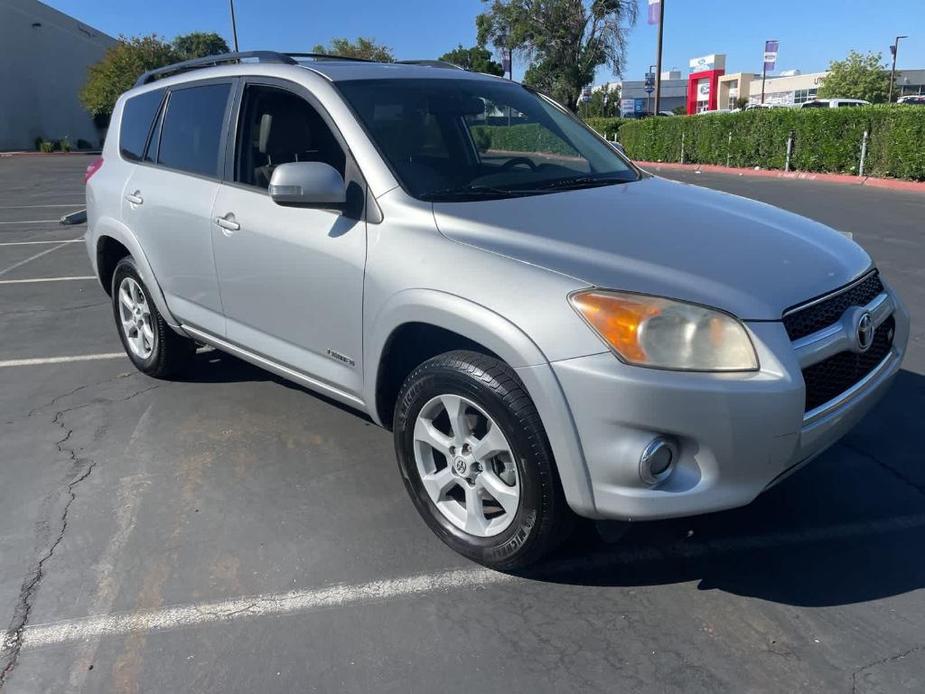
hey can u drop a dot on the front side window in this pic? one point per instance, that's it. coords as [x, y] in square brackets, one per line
[465, 139]
[278, 127]
[137, 116]
[191, 133]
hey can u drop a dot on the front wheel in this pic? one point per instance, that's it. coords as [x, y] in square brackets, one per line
[475, 459]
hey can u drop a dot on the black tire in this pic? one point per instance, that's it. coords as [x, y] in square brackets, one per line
[542, 518]
[172, 352]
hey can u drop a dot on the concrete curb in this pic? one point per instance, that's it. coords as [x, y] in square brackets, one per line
[842, 179]
[78, 217]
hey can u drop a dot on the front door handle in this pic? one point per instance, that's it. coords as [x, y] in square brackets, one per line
[135, 198]
[227, 222]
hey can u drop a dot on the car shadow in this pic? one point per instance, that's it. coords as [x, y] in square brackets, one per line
[214, 366]
[848, 528]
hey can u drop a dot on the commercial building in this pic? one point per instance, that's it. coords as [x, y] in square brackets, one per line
[708, 87]
[44, 56]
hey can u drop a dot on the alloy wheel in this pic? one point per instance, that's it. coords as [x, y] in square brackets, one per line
[466, 465]
[135, 316]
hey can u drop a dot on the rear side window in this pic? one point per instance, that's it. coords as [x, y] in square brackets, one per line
[191, 133]
[137, 116]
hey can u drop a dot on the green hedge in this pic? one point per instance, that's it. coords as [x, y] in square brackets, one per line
[608, 127]
[527, 137]
[823, 139]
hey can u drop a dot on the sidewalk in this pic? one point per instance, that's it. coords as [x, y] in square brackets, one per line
[844, 179]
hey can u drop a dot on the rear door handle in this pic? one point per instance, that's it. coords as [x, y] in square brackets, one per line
[227, 222]
[135, 198]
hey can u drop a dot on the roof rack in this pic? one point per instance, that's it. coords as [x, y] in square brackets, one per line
[433, 63]
[328, 56]
[212, 61]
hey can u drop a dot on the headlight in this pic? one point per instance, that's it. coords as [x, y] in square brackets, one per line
[666, 334]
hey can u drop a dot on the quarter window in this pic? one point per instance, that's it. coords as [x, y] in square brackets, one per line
[137, 116]
[191, 133]
[279, 127]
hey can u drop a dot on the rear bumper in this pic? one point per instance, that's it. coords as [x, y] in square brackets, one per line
[737, 434]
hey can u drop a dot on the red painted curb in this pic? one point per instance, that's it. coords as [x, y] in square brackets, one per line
[842, 179]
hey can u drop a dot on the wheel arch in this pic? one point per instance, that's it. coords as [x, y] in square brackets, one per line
[111, 234]
[434, 322]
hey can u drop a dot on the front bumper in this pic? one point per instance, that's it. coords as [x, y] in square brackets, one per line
[738, 434]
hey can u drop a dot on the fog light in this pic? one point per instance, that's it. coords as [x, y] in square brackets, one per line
[657, 460]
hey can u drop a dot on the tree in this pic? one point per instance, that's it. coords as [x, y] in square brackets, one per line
[199, 44]
[604, 103]
[476, 59]
[567, 40]
[741, 103]
[857, 77]
[365, 48]
[119, 68]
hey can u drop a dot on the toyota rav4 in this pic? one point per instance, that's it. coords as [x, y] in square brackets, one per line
[548, 330]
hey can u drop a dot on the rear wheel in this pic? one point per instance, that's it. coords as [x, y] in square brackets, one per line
[151, 344]
[476, 462]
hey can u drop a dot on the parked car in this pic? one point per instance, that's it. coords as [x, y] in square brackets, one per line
[547, 330]
[834, 103]
[912, 100]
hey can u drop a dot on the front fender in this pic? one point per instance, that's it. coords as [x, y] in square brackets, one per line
[513, 346]
[113, 228]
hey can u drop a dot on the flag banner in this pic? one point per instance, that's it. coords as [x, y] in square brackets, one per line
[770, 54]
[654, 7]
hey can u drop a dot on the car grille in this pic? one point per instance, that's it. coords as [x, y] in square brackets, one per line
[829, 378]
[802, 322]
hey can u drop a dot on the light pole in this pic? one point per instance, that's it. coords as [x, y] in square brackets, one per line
[894, 49]
[658, 60]
[234, 26]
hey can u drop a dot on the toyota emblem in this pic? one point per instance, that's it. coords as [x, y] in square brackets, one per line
[865, 331]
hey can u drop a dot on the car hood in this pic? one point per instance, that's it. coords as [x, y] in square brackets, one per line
[668, 239]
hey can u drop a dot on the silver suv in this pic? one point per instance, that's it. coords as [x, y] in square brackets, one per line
[548, 330]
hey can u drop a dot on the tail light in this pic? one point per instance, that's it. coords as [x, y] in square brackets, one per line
[92, 168]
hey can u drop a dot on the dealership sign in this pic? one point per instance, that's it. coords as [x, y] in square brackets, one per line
[707, 62]
[770, 55]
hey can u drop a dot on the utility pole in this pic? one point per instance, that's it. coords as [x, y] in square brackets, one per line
[234, 27]
[658, 60]
[894, 49]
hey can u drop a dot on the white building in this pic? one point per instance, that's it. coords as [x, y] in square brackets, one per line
[44, 56]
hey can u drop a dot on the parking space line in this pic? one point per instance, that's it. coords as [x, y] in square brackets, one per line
[30, 259]
[39, 361]
[32, 207]
[34, 221]
[49, 279]
[38, 243]
[377, 592]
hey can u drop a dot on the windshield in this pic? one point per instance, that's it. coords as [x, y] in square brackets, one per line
[468, 139]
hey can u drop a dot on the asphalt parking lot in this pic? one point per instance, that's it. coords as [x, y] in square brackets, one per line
[233, 532]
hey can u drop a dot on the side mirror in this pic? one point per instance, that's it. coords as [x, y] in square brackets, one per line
[308, 184]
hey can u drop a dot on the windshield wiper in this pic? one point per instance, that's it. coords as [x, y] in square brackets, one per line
[579, 182]
[470, 193]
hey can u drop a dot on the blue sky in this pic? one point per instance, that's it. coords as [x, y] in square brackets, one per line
[811, 32]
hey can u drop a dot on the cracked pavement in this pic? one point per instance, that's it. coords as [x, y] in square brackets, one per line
[124, 495]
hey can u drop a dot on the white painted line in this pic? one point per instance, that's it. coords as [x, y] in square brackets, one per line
[258, 605]
[49, 279]
[61, 360]
[38, 243]
[181, 616]
[32, 207]
[34, 221]
[30, 259]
